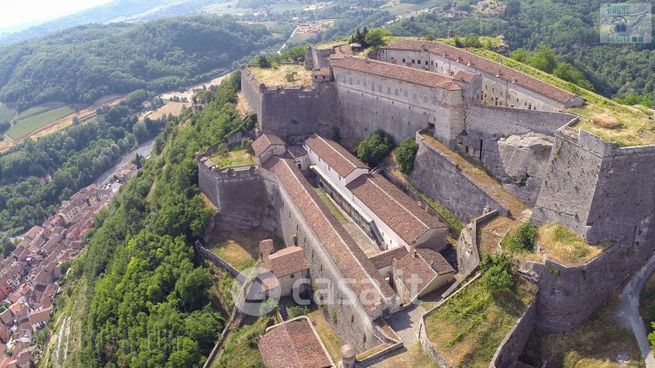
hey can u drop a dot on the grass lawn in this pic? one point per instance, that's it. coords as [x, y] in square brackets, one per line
[598, 343]
[564, 246]
[636, 127]
[328, 336]
[414, 357]
[241, 249]
[233, 159]
[470, 326]
[240, 347]
[331, 206]
[35, 120]
[277, 76]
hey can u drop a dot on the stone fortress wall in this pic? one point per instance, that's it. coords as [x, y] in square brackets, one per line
[601, 191]
[292, 112]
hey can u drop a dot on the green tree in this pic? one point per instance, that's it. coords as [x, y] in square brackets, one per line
[497, 272]
[523, 238]
[375, 148]
[375, 37]
[405, 154]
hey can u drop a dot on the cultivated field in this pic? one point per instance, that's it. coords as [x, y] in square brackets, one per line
[172, 108]
[36, 118]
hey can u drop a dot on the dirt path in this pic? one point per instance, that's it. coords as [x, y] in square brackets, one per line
[629, 310]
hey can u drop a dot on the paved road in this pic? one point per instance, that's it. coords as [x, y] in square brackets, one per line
[629, 310]
[405, 323]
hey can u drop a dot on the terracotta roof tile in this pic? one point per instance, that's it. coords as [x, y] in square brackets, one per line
[487, 66]
[384, 259]
[401, 213]
[337, 157]
[395, 71]
[264, 141]
[293, 344]
[286, 262]
[349, 259]
[436, 261]
[415, 273]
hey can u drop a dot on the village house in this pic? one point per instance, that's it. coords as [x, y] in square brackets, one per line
[293, 344]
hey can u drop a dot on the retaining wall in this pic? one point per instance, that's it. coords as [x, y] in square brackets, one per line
[514, 342]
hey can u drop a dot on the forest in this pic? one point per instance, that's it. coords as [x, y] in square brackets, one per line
[571, 28]
[35, 177]
[79, 65]
[148, 301]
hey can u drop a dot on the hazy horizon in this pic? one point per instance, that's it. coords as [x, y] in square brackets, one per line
[24, 14]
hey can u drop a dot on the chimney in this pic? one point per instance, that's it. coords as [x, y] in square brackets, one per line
[347, 356]
[265, 248]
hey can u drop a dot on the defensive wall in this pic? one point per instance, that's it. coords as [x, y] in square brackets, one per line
[292, 112]
[486, 125]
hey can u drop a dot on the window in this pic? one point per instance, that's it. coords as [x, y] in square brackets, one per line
[426, 62]
[404, 60]
[396, 91]
[413, 61]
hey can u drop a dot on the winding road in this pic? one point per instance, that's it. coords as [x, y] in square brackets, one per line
[629, 310]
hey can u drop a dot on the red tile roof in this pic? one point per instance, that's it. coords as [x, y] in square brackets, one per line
[286, 262]
[395, 71]
[336, 157]
[384, 259]
[293, 344]
[485, 65]
[421, 267]
[349, 259]
[401, 213]
[264, 141]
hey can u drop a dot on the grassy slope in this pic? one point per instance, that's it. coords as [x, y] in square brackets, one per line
[470, 326]
[240, 347]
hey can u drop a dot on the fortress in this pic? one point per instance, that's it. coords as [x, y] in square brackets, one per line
[462, 110]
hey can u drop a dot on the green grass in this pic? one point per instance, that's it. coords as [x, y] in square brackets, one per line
[240, 249]
[399, 8]
[326, 333]
[233, 159]
[240, 347]
[470, 326]
[563, 245]
[27, 123]
[331, 206]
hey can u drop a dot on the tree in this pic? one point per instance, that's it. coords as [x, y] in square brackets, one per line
[375, 38]
[523, 238]
[512, 8]
[405, 154]
[497, 272]
[290, 76]
[375, 148]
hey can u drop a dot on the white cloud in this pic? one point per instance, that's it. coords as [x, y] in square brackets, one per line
[17, 12]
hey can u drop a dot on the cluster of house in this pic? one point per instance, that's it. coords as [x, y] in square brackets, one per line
[29, 276]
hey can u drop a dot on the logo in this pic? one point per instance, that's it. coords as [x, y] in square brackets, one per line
[626, 23]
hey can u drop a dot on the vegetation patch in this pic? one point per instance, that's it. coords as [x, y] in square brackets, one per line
[326, 333]
[601, 342]
[240, 346]
[521, 239]
[414, 357]
[7, 114]
[240, 249]
[241, 157]
[26, 124]
[405, 155]
[606, 121]
[468, 328]
[286, 75]
[375, 148]
[564, 246]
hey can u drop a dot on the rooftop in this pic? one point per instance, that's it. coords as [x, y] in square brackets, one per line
[287, 261]
[349, 259]
[395, 71]
[264, 141]
[393, 207]
[237, 158]
[293, 344]
[487, 66]
[337, 157]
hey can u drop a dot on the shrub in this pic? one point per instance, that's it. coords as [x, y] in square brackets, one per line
[523, 238]
[375, 148]
[375, 37]
[297, 311]
[497, 272]
[405, 154]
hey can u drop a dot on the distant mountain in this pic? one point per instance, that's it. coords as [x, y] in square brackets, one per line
[115, 11]
[82, 64]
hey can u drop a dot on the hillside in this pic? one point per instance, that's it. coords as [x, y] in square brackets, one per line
[82, 64]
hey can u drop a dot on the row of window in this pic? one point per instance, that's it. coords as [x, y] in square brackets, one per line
[398, 92]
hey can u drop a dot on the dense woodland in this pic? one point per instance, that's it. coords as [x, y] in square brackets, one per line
[36, 176]
[569, 27]
[82, 64]
[149, 305]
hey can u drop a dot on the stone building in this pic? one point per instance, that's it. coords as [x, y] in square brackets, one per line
[420, 272]
[293, 344]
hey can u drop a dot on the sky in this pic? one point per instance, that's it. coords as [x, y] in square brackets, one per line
[18, 12]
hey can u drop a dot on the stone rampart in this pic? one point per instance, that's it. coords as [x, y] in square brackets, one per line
[436, 175]
[485, 125]
[514, 342]
[292, 112]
